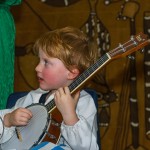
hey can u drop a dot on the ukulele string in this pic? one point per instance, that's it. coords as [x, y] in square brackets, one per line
[123, 47]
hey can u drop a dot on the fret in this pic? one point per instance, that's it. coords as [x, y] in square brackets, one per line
[50, 105]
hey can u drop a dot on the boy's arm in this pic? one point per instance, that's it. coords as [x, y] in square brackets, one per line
[83, 135]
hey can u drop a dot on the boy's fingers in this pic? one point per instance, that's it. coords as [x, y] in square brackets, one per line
[66, 89]
[76, 95]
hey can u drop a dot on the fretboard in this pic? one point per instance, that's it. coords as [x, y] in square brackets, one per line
[85, 76]
[88, 73]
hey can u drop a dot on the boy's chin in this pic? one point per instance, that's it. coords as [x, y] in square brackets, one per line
[44, 89]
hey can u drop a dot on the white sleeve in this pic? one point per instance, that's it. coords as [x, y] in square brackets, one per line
[1, 128]
[8, 132]
[83, 135]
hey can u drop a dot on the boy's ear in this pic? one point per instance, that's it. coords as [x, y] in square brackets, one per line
[73, 73]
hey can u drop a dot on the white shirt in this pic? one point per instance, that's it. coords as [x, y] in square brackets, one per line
[81, 136]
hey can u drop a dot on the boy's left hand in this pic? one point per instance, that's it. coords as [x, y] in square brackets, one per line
[66, 104]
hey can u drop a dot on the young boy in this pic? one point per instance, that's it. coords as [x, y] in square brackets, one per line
[64, 54]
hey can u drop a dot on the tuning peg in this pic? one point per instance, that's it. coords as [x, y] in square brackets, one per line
[131, 57]
[142, 50]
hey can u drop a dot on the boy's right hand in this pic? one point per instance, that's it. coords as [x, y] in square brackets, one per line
[18, 117]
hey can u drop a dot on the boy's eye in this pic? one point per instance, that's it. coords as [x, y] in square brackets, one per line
[46, 62]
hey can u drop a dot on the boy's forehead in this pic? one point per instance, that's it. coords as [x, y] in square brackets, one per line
[43, 54]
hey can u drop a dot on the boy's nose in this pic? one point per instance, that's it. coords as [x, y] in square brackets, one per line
[37, 68]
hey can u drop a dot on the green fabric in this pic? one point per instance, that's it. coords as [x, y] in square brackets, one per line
[7, 50]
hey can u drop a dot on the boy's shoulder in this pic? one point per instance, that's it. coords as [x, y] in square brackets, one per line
[85, 95]
[88, 93]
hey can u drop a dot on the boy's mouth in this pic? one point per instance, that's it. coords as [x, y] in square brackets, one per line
[40, 79]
